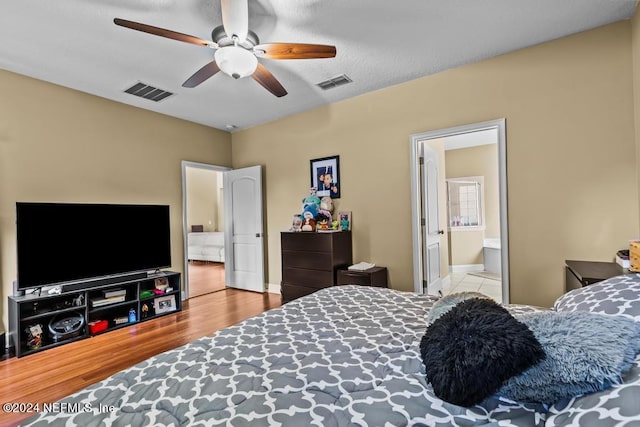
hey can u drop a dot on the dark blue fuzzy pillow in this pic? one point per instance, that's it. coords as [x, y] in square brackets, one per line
[472, 349]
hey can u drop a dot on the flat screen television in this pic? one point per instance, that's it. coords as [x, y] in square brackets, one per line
[58, 243]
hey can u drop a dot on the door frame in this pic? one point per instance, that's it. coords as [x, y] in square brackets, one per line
[185, 231]
[415, 141]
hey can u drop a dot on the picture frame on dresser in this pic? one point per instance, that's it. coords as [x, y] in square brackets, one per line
[325, 176]
[164, 304]
[344, 221]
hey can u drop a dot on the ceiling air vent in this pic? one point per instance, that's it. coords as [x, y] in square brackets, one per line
[149, 92]
[334, 82]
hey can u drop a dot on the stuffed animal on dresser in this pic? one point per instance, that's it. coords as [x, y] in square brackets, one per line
[311, 203]
[308, 223]
[326, 204]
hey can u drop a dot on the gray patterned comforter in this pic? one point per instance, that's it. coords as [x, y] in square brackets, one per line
[344, 356]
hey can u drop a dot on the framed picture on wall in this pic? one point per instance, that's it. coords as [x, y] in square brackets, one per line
[325, 176]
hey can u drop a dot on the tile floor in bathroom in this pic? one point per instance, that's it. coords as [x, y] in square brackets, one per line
[463, 281]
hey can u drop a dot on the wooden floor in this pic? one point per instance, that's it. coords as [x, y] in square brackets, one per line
[205, 277]
[52, 374]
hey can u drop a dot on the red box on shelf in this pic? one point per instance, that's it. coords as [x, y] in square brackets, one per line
[98, 326]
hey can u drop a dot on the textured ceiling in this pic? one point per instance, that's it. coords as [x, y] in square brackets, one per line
[74, 43]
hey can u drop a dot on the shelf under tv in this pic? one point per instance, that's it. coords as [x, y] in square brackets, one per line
[24, 310]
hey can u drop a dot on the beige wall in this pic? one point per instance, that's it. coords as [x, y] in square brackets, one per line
[465, 247]
[202, 198]
[570, 156]
[59, 145]
[635, 52]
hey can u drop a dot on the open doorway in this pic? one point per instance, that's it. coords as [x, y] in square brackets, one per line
[459, 200]
[473, 213]
[203, 209]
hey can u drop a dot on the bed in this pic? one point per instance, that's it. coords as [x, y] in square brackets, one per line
[343, 356]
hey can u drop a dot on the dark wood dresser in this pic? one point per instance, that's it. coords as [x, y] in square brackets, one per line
[310, 261]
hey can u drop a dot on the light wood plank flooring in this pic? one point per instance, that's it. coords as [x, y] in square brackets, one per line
[205, 277]
[52, 374]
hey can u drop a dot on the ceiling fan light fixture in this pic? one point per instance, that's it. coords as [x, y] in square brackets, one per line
[236, 61]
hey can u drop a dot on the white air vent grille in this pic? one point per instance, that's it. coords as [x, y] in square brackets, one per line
[334, 82]
[148, 92]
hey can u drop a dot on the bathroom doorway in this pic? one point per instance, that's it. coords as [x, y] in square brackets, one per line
[471, 201]
[473, 213]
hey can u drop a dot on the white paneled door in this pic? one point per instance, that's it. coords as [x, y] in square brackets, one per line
[244, 257]
[431, 222]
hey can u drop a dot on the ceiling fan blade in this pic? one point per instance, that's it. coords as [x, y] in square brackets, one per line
[268, 81]
[202, 74]
[164, 33]
[235, 18]
[294, 51]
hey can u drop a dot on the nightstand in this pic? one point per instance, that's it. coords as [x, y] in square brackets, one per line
[584, 273]
[375, 276]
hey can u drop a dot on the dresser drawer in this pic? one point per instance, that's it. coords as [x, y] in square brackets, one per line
[307, 242]
[291, 292]
[309, 260]
[310, 278]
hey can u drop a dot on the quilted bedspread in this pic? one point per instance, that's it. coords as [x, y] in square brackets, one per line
[344, 356]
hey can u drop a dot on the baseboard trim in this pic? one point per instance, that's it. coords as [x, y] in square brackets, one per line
[273, 288]
[462, 268]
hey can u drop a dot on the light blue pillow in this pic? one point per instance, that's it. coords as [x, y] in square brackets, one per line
[585, 352]
[447, 302]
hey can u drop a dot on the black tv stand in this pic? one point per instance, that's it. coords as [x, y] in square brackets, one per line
[104, 305]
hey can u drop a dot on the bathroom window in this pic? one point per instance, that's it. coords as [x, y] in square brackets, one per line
[465, 200]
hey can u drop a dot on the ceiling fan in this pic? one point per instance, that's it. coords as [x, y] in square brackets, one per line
[238, 48]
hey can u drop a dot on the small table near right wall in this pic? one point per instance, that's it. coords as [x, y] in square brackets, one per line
[584, 273]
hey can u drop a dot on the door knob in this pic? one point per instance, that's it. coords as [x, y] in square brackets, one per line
[440, 231]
